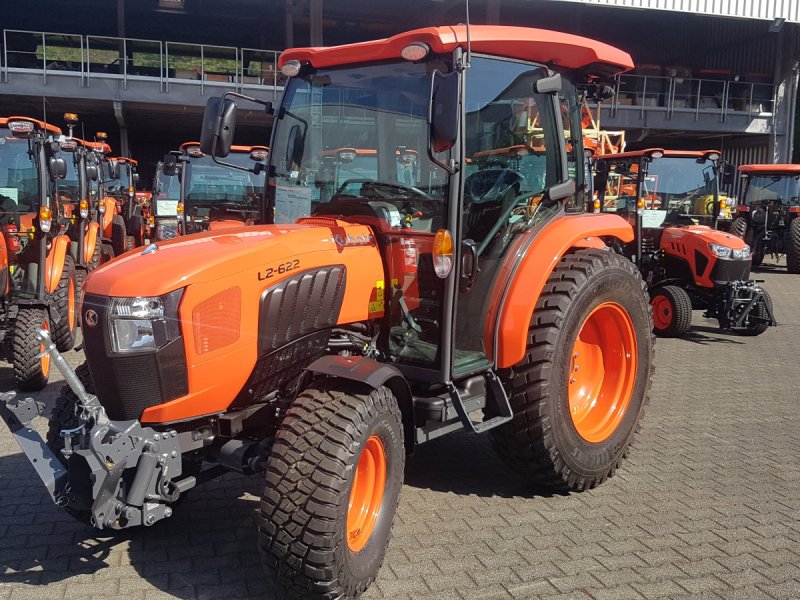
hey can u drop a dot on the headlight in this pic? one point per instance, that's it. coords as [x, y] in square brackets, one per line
[720, 251]
[742, 253]
[144, 324]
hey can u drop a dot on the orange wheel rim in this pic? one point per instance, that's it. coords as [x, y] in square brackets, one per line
[662, 311]
[602, 372]
[44, 362]
[71, 304]
[366, 496]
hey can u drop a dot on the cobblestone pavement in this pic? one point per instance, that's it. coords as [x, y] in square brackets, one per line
[706, 506]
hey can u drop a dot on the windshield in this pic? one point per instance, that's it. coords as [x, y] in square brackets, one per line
[678, 184]
[69, 187]
[210, 183]
[381, 109]
[121, 184]
[19, 185]
[774, 188]
[167, 186]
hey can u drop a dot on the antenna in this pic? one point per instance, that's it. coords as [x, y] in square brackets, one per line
[469, 44]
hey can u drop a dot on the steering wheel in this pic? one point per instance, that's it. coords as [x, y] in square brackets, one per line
[509, 204]
[387, 191]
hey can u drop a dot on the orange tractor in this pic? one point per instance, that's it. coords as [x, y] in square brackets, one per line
[216, 195]
[673, 199]
[129, 230]
[38, 280]
[105, 208]
[355, 328]
[767, 217]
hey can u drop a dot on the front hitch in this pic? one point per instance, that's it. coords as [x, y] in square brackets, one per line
[88, 476]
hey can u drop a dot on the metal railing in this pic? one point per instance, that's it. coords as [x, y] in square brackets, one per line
[722, 97]
[92, 58]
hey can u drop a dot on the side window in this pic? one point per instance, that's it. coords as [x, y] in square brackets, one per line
[511, 151]
[573, 135]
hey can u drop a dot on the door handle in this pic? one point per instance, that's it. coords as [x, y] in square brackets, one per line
[469, 265]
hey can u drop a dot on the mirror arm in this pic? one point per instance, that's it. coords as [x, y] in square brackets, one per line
[232, 166]
[267, 104]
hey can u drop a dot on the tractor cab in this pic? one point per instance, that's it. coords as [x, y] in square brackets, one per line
[122, 179]
[216, 196]
[38, 280]
[767, 217]
[165, 200]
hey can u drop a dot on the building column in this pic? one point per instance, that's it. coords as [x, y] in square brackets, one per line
[786, 76]
[124, 148]
[316, 22]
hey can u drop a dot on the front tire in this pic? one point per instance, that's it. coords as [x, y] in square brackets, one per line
[66, 302]
[579, 393]
[672, 311]
[333, 483]
[30, 372]
[793, 249]
[119, 235]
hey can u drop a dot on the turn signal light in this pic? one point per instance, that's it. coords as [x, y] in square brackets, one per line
[152, 220]
[640, 203]
[101, 206]
[442, 253]
[84, 208]
[179, 209]
[45, 218]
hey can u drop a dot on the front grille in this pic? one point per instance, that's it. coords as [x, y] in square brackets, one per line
[127, 384]
[726, 269]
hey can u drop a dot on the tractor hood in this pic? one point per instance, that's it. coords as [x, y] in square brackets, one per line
[206, 257]
[712, 236]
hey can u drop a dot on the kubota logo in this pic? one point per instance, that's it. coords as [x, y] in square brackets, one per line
[90, 318]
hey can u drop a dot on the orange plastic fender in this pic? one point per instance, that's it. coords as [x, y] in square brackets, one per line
[108, 216]
[89, 240]
[54, 265]
[4, 274]
[530, 276]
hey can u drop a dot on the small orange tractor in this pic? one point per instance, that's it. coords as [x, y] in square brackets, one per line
[105, 209]
[672, 197]
[166, 197]
[214, 195]
[37, 268]
[130, 229]
[767, 217]
[321, 348]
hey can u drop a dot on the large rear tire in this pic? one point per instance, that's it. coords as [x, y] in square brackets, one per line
[579, 392]
[793, 249]
[672, 311]
[136, 229]
[66, 303]
[30, 371]
[333, 483]
[739, 227]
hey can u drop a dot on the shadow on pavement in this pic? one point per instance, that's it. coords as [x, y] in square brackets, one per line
[696, 335]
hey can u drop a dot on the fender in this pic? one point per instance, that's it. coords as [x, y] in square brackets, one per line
[374, 374]
[55, 261]
[4, 278]
[515, 301]
[108, 215]
[89, 240]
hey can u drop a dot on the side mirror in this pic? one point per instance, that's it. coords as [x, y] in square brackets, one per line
[219, 123]
[548, 85]
[170, 165]
[58, 168]
[728, 175]
[444, 111]
[294, 146]
[135, 179]
[91, 172]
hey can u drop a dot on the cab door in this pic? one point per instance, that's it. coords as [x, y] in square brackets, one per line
[514, 150]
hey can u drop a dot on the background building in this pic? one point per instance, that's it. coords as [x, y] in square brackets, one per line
[711, 73]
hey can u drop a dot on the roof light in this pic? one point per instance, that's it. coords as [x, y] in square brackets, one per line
[101, 136]
[415, 51]
[347, 155]
[259, 154]
[71, 118]
[712, 156]
[194, 151]
[68, 145]
[656, 154]
[21, 127]
[291, 68]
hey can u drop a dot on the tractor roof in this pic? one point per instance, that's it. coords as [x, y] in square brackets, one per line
[667, 153]
[39, 124]
[773, 169]
[243, 149]
[537, 45]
